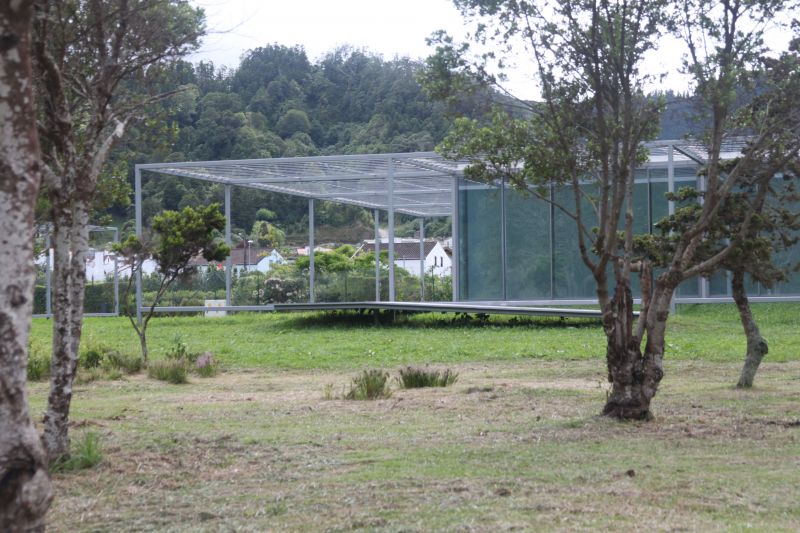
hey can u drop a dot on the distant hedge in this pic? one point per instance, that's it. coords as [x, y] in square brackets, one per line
[99, 298]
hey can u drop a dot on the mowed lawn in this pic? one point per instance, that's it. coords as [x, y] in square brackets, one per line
[709, 333]
[514, 444]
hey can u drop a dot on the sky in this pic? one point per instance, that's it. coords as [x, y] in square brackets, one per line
[387, 27]
[383, 26]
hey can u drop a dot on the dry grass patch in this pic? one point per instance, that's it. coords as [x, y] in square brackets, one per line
[509, 446]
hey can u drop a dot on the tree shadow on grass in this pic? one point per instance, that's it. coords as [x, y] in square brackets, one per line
[444, 321]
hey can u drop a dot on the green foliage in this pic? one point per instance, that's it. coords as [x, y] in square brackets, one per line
[85, 454]
[124, 362]
[293, 122]
[179, 236]
[101, 361]
[92, 355]
[415, 377]
[38, 364]
[171, 370]
[265, 214]
[98, 298]
[180, 352]
[182, 235]
[268, 235]
[279, 104]
[369, 385]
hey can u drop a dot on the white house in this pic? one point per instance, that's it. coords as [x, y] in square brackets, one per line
[100, 265]
[246, 259]
[406, 256]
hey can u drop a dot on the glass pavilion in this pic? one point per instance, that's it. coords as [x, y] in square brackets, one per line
[508, 247]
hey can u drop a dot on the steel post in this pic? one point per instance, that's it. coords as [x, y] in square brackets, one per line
[503, 238]
[311, 250]
[390, 179]
[116, 274]
[138, 210]
[228, 260]
[48, 275]
[377, 256]
[421, 259]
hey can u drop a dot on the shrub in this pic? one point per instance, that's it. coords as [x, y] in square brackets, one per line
[85, 454]
[171, 371]
[38, 366]
[127, 363]
[369, 385]
[415, 378]
[206, 366]
[180, 351]
[92, 355]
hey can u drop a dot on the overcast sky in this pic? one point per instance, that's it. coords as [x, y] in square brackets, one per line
[388, 27]
[383, 26]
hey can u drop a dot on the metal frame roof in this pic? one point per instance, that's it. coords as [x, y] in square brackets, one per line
[418, 184]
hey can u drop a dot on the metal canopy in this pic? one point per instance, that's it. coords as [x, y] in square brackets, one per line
[422, 181]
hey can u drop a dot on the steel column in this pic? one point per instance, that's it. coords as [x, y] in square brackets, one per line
[228, 260]
[376, 215]
[454, 230]
[671, 208]
[503, 253]
[421, 259]
[390, 180]
[138, 210]
[48, 309]
[116, 274]
[671, 176]
[552, 214]
[311, 250]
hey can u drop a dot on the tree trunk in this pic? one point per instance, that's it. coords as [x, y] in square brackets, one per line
[70, 242]
[634, 377]
[25, 488]
[143, 343]
[756, 345]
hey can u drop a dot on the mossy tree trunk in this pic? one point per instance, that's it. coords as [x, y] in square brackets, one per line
[25, 487]
[757, 347]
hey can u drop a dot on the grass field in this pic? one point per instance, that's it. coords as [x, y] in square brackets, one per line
[515, 444]
[313, 341]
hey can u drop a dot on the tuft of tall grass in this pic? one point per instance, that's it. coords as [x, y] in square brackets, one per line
[206, 366]
[369, 385]
[171, 371]
[38, 366]
[416, 378]
[85, 454]
[126, 363]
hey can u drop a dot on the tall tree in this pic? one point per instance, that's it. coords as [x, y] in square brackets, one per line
[587, 134]
[727, 55]
[88, 54]
[25, 489]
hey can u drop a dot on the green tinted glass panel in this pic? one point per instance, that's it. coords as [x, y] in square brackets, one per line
[528, 247]
[480, 265]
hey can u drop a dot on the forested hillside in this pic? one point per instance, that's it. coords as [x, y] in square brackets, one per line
[277, 103]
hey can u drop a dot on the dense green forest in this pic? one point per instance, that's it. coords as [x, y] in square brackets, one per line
[277, 103]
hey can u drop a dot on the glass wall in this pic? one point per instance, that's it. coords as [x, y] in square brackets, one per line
[516, 246]
[479, 242]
